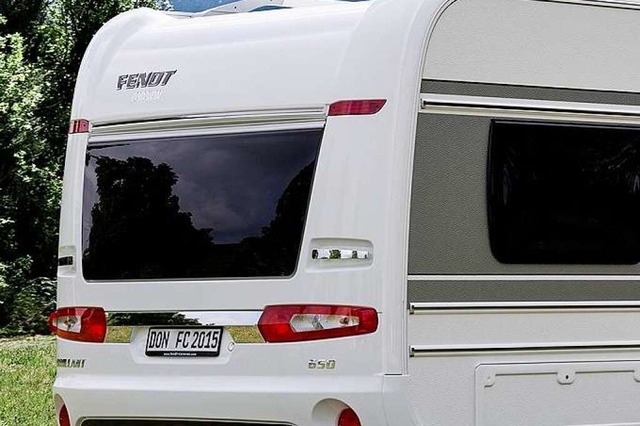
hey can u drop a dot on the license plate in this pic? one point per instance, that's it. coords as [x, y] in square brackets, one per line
[184, 342]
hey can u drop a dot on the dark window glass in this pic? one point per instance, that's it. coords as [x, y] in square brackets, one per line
[197, 207]
[564, 193]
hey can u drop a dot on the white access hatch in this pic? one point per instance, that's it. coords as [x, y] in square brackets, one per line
[587, 393]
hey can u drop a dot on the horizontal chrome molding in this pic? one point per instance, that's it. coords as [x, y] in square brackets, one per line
[515, 277]
[427, 308]
[440, 103]
[241, 325]
[497, 90]
[417, 350]
[175, 422]
[118, 334]
[227, 119]
[177, 318]
[617, 4]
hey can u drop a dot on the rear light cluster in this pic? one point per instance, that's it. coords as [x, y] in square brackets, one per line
[297, 323]
[63, 417]
[348, 417]
[278, 323]
[79, 324]
[356, 107]
[79, 126]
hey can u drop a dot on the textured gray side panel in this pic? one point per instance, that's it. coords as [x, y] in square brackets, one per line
[448, 214]
[522, 291]
[527, 92]
[448, 231]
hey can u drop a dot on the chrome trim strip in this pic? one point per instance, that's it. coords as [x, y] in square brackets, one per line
[340, 254]
[202, 131]
[430, 102]
[167, 421]
[428, 307]
[118, 334]
[416, 350]
[245, 334]
[616, 4]
[234, 118]
[524, 91]
[241, 325]
[523, 278]
[177, 318]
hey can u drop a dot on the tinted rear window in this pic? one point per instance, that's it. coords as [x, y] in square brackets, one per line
[563, 193]
[218, 206]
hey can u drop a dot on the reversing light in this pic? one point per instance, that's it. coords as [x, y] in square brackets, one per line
[79, 324]
[348, 417]
[356, 107]
[297, 323]
[63, 417]
[79, 126]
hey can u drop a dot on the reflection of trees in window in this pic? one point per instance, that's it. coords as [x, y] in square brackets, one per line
[151, 318]
[138, 230]
[282, 238]
[275, 251]
[335, 254]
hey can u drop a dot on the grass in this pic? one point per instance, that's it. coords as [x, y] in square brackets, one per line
[27, 370]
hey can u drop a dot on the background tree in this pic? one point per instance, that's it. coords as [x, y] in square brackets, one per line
[29, 184]
[41, 46]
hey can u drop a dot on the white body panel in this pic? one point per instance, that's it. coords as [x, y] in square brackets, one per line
[532, 56]
[424, 367]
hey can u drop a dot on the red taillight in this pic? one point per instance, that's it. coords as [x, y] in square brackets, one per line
[348, 417]
[356, 107]
[79, 126]
[63, 417]
[297, 323]
[79, 324]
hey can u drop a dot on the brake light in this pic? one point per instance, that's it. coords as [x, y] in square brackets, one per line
[63, 417]
[297, 323]
[356, 107]
[79, 324]
[348, 417]
[79, 126]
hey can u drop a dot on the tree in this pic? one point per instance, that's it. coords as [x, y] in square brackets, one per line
[65, 33]
[41, 46]
[149, 235]
[29, 184]
[165, 5]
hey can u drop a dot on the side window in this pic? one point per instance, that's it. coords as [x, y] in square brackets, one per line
[563, 193]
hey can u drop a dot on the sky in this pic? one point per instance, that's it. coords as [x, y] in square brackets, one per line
[197, 5]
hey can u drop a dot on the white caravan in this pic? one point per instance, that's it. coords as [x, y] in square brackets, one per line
[394, 212]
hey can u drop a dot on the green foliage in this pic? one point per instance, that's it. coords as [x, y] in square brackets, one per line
[29, 182]
[31, 307]
[41, 46]
[64, 35]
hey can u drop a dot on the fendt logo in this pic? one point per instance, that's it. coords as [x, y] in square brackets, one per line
[145, 79]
